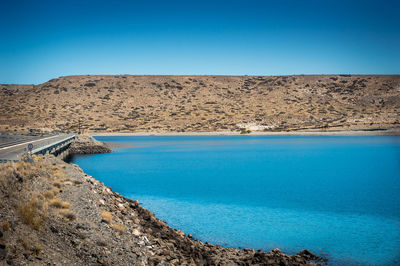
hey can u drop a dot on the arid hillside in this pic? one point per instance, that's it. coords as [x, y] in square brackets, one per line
[203, 103]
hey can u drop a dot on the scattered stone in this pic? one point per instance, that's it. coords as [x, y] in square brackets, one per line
[135, 232]
[101, 243]
[3, 251]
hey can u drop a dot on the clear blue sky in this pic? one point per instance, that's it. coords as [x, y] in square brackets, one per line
[41, 40]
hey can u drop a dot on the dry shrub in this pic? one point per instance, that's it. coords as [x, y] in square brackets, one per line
[33, 212]
[55, 191]
[62, 180]
[57, 185]
[43, 165]
[68, 215]
[28, 169]
[30, 244]
[58, 171]
[48, 194]
[6, 225]
[60, 204]
[107, 217]
[8, 177]
[120, 228]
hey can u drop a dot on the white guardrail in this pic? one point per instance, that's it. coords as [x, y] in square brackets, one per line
[54, 146]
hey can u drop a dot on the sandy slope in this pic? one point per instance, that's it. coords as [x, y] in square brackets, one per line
[204, 103]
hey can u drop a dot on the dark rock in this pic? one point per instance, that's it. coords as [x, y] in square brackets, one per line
[308, 255]
[3, 252]
[101, 243]
[53, 229]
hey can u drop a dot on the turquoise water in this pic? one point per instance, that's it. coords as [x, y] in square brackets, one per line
[335, 195]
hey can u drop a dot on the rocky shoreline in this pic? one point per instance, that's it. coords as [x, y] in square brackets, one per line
[88, 145]
[55, 214]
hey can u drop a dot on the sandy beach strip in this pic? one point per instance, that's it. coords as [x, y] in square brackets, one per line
[388, 132]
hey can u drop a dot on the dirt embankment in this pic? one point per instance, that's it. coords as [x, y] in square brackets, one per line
[53, 213]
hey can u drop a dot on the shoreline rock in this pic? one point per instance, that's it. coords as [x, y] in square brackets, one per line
[88, 145]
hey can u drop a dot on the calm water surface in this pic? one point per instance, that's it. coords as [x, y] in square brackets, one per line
[336, 195]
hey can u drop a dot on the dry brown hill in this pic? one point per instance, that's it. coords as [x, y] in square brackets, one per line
[203, 103]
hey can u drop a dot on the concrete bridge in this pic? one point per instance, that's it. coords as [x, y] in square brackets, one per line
[51, 144]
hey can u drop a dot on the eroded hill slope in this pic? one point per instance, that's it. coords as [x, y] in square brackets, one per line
[203, 103]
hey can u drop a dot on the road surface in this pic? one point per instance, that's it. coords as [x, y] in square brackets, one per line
[12, 149]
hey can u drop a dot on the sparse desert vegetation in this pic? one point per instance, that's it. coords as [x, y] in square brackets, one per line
[59, 204]
[107, 217]
[34, 212]
[118, 227]
[67, 214]
[203, 103]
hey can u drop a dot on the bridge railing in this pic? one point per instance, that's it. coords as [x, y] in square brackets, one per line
[54, 146]
[7, 160]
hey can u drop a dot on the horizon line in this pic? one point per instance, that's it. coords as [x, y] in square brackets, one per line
[199, 75]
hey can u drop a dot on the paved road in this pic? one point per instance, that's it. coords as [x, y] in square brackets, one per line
[12, 150]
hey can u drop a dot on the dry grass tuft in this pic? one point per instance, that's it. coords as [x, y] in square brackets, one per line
[60, 204]
[30, 244]
[28, 169]
[48, 194]
[68, 215]
[62, 180]
[8, 178]
[77, 182]
[58, 173]
[120, 228]
[6, 225]
[33, 212]
[107, 217]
